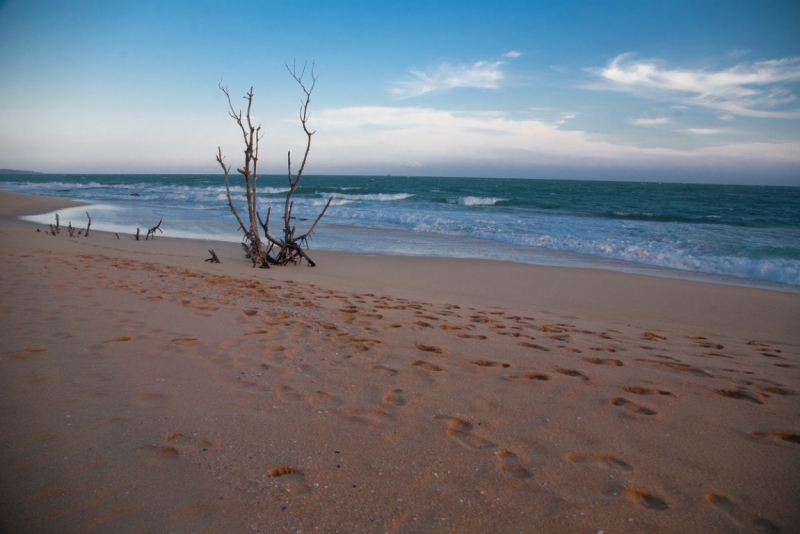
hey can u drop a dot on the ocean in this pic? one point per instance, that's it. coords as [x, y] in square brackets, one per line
[745, 235]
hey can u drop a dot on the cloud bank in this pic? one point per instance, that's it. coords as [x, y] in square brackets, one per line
[422, 137]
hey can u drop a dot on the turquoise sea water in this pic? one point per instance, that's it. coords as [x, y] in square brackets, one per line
[748, 233]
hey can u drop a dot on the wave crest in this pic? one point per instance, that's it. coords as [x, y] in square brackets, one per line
[479, 201]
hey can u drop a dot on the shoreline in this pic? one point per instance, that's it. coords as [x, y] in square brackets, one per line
[142, 388]
[548, 259]
[598, 292]
[726, 262]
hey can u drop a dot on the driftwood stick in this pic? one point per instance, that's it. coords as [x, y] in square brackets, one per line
[137, 234]
[88, 225]
[152, 231]
[306, 235]
[58, 224]
[213, 258]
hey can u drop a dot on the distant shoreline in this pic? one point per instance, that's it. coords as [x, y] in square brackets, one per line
[17, 171]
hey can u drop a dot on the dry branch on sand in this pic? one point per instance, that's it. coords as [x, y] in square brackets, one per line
[71, 230]
[290, 247]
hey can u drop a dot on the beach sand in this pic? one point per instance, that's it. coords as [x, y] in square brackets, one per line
[145, 390]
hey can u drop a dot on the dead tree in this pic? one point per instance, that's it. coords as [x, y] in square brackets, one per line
[251, 135]
[289, 248]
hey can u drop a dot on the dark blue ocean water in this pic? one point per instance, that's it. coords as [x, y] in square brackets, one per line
[751, 233]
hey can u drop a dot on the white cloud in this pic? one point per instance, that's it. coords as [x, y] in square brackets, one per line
[512, 54]
[401, 136]
[704, 131]
[565, 116]
[445, 76]
[726, 117]
[757, 89]
[652, 122]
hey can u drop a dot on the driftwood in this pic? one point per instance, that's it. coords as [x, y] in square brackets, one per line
[56, 229]
[152, 231]
[290, 246]
[213, 258]
[137, 234]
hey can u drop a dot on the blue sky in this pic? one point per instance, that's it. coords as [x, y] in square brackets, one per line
[646, 90]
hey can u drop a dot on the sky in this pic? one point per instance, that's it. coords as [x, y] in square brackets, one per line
[656, 90]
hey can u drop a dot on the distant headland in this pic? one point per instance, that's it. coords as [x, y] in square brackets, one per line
[16, 171]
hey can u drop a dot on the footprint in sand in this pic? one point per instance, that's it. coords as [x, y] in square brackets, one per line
[535, 376]
[385, 370]
[489, 363]
[160, 453]
[183, 443]
[430, 348]
[646, 499]
[461, 430]
[508, 463]
[472, 336]
[777, 390]
[185, 341]
[395, 397]
[737, 394]
[529, 376]
[572, 372]
[679, 367]
[602, 460]
[118, 339]
[788, 437]
[604, 361]
[533, 346]
[426, 365]
[470, 440]
[739, 516]
[632, 406]
[636, 390]
[287, 393]
[603, 349]
[653, 336]
[290, 480]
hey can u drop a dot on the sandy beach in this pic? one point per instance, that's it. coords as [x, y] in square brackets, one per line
[143, 389]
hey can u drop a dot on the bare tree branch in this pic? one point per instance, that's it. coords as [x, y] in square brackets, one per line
[289, 248]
